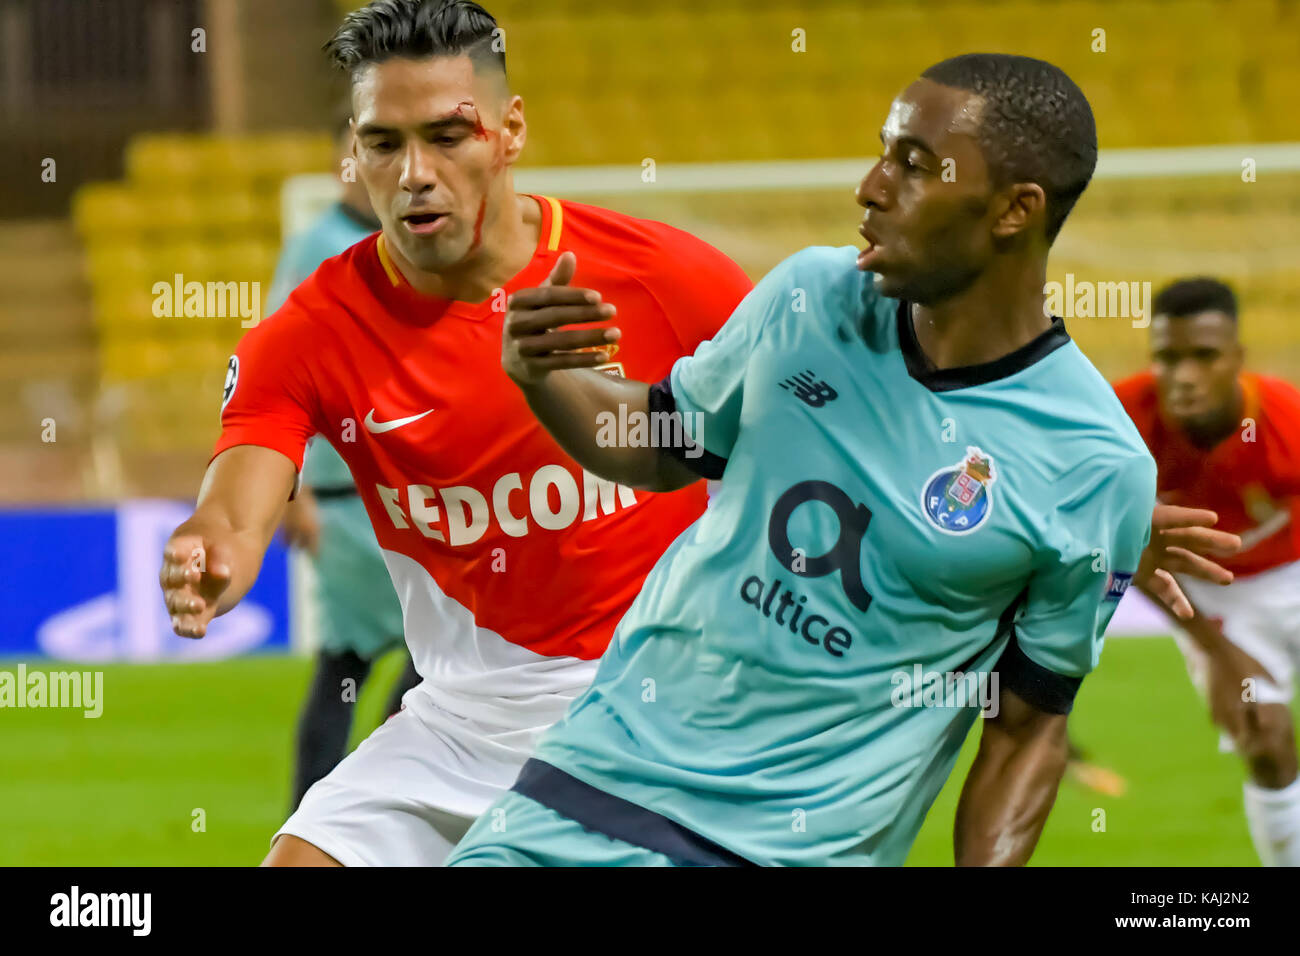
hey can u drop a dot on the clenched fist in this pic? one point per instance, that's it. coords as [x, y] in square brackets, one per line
[531, 346]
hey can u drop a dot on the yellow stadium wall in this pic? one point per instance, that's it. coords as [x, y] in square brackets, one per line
[718, 79]
[715, 80]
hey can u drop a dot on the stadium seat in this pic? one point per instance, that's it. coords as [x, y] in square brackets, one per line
[162, 163]
[105, 210]
[619, 81]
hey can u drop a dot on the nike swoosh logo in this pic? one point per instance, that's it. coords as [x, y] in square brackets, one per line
[379, 428]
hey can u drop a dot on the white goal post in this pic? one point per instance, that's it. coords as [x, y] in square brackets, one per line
[305, 196]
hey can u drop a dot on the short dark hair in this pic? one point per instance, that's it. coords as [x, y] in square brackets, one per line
[1194, 296]
[1036, 127]
[416, 29]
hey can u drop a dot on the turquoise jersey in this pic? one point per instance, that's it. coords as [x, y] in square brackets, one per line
[335, 230]
[794, 681]
[360, 609]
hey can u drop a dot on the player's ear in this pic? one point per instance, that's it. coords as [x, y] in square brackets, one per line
[514, 129]
[1023, 204]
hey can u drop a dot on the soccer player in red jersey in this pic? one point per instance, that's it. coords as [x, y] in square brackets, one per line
[512, 563]
[1229, 440]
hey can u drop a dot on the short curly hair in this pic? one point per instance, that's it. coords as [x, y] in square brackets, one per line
[1036, 126]
[1193, 296]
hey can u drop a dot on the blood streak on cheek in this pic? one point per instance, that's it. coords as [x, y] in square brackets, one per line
[467, 110]
[478, 225]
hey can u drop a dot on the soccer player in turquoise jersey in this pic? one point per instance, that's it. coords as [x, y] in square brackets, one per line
[359, 615]
[931, 502]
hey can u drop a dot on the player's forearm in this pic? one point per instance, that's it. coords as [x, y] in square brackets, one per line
[242, 549]
[582, 410]
[1007, 796]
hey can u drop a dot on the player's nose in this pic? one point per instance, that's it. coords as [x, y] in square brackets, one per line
[871, 189]
[1187, 374]
[418, 174]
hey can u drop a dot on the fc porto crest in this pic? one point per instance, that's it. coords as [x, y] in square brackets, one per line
[958, 499]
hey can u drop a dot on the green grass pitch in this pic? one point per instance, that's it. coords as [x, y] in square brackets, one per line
[217, 737]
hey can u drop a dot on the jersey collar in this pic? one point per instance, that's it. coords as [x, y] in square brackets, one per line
[411, 306]
[965, 376]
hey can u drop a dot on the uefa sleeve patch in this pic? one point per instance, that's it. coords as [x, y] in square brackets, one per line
[1117, 583]
[232, 379]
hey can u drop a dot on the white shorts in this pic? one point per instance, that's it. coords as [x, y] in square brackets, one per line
[1261, 615]
[407, 795]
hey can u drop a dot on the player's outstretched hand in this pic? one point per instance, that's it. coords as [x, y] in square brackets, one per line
[532, 345]
[193, 577]
[1182, 542]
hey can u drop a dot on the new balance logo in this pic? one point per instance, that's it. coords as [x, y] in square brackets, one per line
[809, 389]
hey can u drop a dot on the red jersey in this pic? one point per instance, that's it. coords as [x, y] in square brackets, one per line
[512, 563]
[1251, 478]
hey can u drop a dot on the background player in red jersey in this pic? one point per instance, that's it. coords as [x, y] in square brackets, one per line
[512, 563]
[1229, 440]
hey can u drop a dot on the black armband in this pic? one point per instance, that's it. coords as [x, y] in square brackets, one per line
[1037, 685]
[701, 461]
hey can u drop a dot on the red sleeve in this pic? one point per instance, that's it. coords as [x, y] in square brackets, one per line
[1281, 402]
[268, 398]
[1136, 394]
[701, 287]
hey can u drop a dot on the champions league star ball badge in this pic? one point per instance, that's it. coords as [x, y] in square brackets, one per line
[232, 379]
[959, 498]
